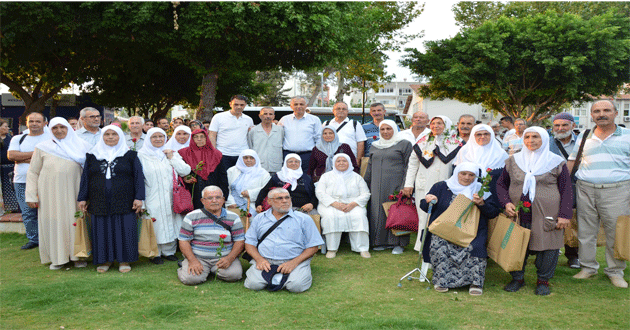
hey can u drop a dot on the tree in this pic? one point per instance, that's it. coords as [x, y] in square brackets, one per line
[527, 67]
[273, 82]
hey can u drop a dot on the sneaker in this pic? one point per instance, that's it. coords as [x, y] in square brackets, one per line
[55, 267]
[514, 286]
[618, 281]
[331, 254]
[365, 254]
[380, 248]
[542, 288]
[397, 250]
[584, 274]
[574, 263]
[29, 245]
[80, 264]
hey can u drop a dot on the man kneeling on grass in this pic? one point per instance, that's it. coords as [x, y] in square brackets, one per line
[281, 243]
[211, 239]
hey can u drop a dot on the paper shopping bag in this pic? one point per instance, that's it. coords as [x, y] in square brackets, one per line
[507, 243]
[147, 242]
[82, 243]
[622, 238]
[459, 223]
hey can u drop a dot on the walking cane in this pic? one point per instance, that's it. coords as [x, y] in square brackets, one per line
[421, 275]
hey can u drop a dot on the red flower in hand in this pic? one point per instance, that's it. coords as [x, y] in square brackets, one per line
[374, 137]
[223, 236]
[392, 197]
[527, 204]
[74, 224]
[153, 219]
[488, 170]
[134, 140]
[249, 215]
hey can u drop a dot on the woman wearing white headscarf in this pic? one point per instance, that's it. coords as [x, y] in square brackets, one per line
[112, 188]
[455, 266]
[324, 151]
[52, 186]
[159, 166]
[245, 180]
[431, 161]
[180, 138]
[539, 179]
[343, 195]
[385, 174]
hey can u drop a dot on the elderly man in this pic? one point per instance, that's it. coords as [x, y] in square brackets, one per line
[283, 255]
[135, 137]
[496, 128]
[513, 143]
[301, 131]
[91, 131]
[464, 126]
[228, 130]
[603, 189]
[211, 239]
[347, 130]
[372, 132]
[419, 122]
[266, 139]
[20, 151]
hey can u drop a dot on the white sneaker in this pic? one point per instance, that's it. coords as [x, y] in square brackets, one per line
[331, 254]
[618, 281]
[365, 254]
[397, 250]
[55, 267]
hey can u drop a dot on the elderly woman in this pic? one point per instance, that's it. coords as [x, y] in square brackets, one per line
[180, 139]
[196, 124]
[455, 266]
[159, 165]
[431, 162]
[537, 177]
[343, 195]
[52, 186]
[299, 185]
[112, 188]
[246, 179]
[206, 168]
[324, 151]
[385, 174]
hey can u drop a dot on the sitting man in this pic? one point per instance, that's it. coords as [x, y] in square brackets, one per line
[200, 241]
[283, 258]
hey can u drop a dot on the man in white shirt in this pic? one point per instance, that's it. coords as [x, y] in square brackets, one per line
[508, 123]
[91, 119]
[419, 122]
[513, 143]
[301, 131]
[348, 130]
[20, 151]
[266, 139]
[228, 130]
[135, 137]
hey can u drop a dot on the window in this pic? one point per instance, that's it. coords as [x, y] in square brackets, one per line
[626, 109]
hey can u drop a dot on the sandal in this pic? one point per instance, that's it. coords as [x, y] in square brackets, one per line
[103, 268]
[475, 290]
[124, 268]
[440, 289]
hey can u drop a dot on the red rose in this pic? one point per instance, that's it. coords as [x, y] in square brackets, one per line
[392, 197]
[249, 215]
[488, 170]
[74, 224]
[527, 204]
[134, 140]
[374, 137]
[153, 219]
[223, 236]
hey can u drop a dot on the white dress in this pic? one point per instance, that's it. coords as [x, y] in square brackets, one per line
[158, 183]
[336, 221]
[253, 187]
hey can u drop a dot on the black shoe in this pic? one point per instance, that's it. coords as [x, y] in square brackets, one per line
[29, 245]
[542, 288]
[514, 286]
[179, 263]
[157, 260]
[574, 263]
[171, 258]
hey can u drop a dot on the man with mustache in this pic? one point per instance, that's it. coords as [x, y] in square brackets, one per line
[603, 189]
[465, 125]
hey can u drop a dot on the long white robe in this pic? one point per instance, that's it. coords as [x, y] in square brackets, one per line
[333, 220]
[253, 187]
[158, 185]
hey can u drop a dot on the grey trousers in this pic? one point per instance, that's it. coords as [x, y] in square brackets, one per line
[230, 274]
[595, 205]
[546, 262]
[168, 249]
[300, 279]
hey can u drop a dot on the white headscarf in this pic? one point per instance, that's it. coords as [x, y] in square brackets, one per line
[490, 156]
[381, 143]
[173, 144]
[71, 147]
[104, 152]
[448, 141]
[341, 177]
[148, 149]
[288, 175]
[248, 174]
[537, 162]
[329, 148]
[473, 188]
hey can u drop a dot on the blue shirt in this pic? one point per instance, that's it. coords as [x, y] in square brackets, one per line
[553, 146]
[372, 133]
[300, 134]
[294, 235]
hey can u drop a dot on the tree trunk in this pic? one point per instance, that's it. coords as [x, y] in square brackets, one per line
[316, 92]
[208, 96]
[342, 88]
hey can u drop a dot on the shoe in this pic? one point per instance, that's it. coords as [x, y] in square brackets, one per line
[440, 289]
[331, 254]
[397, 250]
[157, 260]
[584, 274]
[80, 264]
[124, 268]
[55, 267]
[179, 263]
[380, 248]
[574, 263]
[171, 258]
[29, 245]
[618, 281]
[514, 286]
[475, 290]
[365, 254]
[542, 288]
[103, 268]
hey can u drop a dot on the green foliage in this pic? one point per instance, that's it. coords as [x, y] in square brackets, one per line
[528, 67]
[273, 82]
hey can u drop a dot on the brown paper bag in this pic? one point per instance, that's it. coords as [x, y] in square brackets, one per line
[622, 238]
[571, 233]
[507, 243]
[82, 243]
[364, 165]
[458, 224]
[147, 242]
[317, 219]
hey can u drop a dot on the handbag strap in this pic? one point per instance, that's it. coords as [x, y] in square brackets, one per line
[561, 148]
[216, 220]
[578, 158]
[272, 228]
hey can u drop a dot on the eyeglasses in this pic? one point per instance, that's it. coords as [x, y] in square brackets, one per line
[284, 198]
[94, 117]
[213, 198]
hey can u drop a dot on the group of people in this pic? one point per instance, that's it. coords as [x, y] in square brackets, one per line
[283, 176]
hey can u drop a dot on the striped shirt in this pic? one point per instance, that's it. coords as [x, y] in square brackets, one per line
[203, 233]
[606, 161]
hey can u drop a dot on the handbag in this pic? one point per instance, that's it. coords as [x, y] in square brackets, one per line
[507, 243]
[82, 243]
[182, 200]
[147, 242]
[459, 223]
[403, 215]
[395, 232]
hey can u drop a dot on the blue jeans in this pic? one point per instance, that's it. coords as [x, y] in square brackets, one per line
[29, 215]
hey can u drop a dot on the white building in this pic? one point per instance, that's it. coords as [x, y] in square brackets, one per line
[393, 95]
[582, 113]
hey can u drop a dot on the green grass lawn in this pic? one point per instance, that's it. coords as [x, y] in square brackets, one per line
[348, 292]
